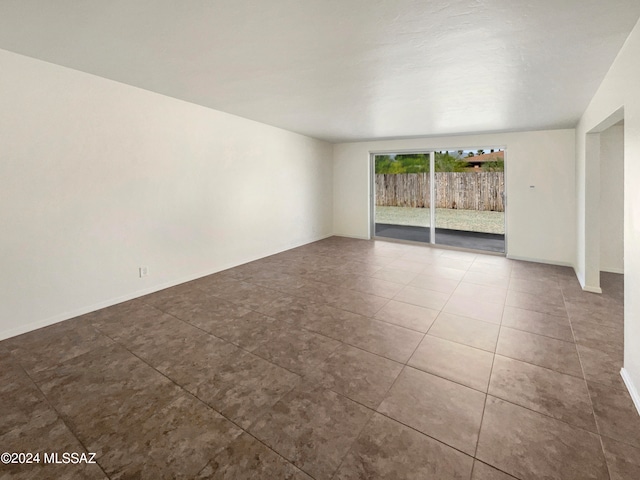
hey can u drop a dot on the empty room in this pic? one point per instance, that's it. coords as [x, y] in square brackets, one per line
[311, 239]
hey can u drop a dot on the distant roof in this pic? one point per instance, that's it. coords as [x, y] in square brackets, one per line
[486, 157]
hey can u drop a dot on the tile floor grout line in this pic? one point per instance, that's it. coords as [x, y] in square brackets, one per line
[542, 413]
[300, 381]
[404, 366]
[327, 252]
[204, 331]
[237, 346]
[183, 389]
[460, 343]
[613, 387]
[369, 420]
[425, 434]
[535, 364]
[299, 384]
[275, 451]
[302, 376]
[339, 307]
[58, 415]
[486, 398]
[586, 384]
[471, 318]
[624, 442]
[540, 334]
[300, 326]
[494, 467]
[395, 324]
[337, 339]
[486, 393]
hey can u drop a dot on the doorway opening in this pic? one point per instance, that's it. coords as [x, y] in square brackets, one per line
[450, 197]
[603, 219]
[612, 201]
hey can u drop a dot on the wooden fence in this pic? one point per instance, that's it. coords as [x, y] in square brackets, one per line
[460, 190]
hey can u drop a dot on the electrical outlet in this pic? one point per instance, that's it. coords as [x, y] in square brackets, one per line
[144, 271]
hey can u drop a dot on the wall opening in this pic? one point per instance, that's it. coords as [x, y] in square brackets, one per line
[604, 201]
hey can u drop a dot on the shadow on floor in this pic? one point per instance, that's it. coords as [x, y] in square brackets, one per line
[490, 242]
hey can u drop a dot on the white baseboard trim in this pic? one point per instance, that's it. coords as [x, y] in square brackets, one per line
[357, 237]
[635, 396]
[613, 270]
[540, 260]
[61, 317]
[591, 288]
[588, 288]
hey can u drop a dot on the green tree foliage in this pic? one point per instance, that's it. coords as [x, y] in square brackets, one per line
[445, 162]
[496, 166]
[385, 164]
[406, 163]
[414, 162]
[418, 163]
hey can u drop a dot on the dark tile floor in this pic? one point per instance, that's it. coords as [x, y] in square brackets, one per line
[343, 359]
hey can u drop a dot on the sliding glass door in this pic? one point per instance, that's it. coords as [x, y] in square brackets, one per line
[469, 199]
[402, 196]
[453, 198]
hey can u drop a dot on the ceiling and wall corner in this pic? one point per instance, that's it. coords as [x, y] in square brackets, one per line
[343, 70]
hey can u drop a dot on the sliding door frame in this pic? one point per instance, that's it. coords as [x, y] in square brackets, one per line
[372, 185]
[432, 197]
[431, 151]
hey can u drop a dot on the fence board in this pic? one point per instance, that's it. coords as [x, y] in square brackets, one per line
[458, 190]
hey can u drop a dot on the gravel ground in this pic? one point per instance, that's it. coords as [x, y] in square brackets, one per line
[469, 220]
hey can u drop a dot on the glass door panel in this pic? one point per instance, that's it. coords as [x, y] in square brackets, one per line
[402, 196]
[469, 199]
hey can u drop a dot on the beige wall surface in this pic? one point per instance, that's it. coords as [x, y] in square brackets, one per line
[612, 200]
[540, 188]
[98, 178]
[618, 92]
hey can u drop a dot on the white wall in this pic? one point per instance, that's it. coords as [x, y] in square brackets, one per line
[612, 200]
[540, 220]
[98, 178]
[618, 90]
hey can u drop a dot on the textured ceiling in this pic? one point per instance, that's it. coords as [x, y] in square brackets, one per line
[347, 69]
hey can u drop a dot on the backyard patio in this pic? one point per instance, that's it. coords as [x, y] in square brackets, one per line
[446, 218]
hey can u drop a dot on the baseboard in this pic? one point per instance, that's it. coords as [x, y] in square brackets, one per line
[61, 317]
[635, 396]
[590, 289]
[357, 237]
[613, 270]
[539, 260]
[586, 288]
